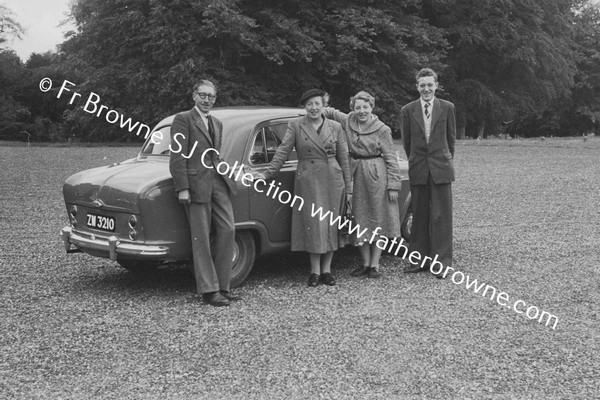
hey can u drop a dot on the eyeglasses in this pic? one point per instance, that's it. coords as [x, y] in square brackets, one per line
[205, 95]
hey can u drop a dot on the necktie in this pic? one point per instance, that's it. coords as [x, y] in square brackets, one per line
[211, 128]
[427, 110]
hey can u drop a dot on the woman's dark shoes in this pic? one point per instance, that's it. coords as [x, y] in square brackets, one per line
[327, 279]
[374, 273]
[216, 299]
[360, 271]
[313, 280]
[230, 296]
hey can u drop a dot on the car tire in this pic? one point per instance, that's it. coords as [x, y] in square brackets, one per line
[405, 230]
[138, 266]
[406, 226]
[244, 256]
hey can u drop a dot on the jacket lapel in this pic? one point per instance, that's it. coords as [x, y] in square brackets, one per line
[436, 111]
[218, 135]
[325, 134]
[201, 126]
[312, 134]
[418, 116]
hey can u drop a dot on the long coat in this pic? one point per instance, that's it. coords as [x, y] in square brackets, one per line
[322, 177]
[375, 170]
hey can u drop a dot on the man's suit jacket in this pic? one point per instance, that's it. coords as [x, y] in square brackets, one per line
[435, 158]
[190, 135]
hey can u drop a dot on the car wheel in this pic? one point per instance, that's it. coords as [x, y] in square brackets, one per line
[405, 231]
[406, 227]
[138, 266]
[244, 254]
[243, 257]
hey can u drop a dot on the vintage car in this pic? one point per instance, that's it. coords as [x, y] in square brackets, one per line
[129, 212]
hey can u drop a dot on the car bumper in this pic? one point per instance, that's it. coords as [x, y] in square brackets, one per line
[111, 246]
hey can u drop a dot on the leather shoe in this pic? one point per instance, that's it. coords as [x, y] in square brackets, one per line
[414, 269]
[313, 280]
[230, 296]
[327, 279]
[216, 299]
[374, 273]
[360, 271]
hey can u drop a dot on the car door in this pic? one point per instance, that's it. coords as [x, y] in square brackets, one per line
[273, 206]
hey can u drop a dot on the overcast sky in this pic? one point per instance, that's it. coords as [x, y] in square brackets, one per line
[41, 20]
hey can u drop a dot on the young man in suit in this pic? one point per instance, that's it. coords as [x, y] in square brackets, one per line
[428, 133]
[205, 194]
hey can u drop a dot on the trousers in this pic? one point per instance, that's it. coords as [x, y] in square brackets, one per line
[431, 232]
[212, 264]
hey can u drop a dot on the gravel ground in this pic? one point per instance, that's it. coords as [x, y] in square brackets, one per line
[526, 221]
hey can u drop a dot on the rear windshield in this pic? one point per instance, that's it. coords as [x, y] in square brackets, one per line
[158, 143]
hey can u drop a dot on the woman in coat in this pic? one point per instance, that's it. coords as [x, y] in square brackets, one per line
[375, 176]
[322, 180]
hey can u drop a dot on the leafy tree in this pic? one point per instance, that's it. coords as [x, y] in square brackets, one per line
[47, 110]
[25, 112]
[509, 57]
[13, 115]
[9, 27]
[586, 92]
[578, 113]
[141, 57]
[498, 60]
[344, 47]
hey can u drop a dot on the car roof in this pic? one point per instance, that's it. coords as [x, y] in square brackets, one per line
[251, 115]
[238, 123]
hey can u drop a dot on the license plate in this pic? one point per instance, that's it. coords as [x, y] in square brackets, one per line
[101, 222]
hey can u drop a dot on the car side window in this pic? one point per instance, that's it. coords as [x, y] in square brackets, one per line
[258, 154]
[278, 131]
[272, 142]
[265, 144]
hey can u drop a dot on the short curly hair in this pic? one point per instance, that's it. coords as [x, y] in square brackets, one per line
[426, 72]
[362, 95]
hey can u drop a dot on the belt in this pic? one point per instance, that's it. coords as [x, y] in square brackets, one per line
[357, 157]
[313, 159]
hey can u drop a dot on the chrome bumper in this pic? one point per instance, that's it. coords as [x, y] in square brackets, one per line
[112, 245]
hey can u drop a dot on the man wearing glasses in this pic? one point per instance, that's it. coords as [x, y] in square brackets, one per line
[205, 194]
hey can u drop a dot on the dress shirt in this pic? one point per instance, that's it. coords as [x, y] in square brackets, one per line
[204, 118]
[427, 119]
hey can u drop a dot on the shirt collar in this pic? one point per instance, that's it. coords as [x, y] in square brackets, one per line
[423, 102]
[203, 115]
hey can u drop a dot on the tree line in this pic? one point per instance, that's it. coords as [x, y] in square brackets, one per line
[518, 67]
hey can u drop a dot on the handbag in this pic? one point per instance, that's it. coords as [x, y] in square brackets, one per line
[347, 218]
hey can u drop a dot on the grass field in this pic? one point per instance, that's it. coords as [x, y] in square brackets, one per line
[527, 221]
